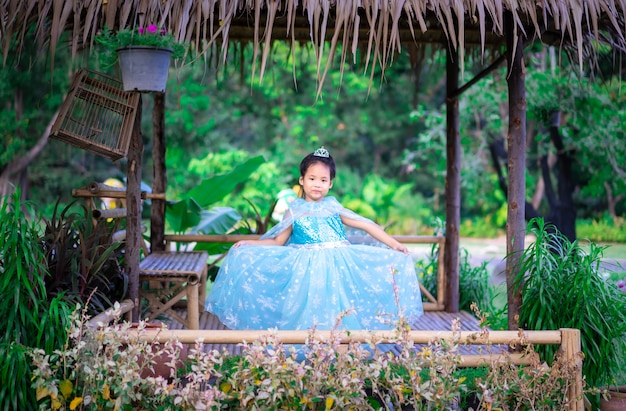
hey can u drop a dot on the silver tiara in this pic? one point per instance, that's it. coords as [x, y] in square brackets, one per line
[321, 152]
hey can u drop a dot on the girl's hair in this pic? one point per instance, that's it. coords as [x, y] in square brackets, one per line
[312, 158]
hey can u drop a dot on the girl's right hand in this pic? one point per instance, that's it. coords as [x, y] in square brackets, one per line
[240, 243]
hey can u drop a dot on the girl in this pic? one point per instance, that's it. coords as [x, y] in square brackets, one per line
[320, 274]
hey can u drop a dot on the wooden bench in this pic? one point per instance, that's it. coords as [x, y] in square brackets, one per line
[178, 274]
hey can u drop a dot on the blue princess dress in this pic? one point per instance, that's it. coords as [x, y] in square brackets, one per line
[315, 278]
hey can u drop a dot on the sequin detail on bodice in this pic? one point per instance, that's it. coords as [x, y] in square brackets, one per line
[309, 230]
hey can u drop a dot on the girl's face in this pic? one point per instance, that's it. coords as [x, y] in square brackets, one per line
[316, 182]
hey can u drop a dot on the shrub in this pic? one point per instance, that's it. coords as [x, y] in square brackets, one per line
[102, 369]
[562, 288]
[605, 229]
[27, 318]
[83, 261]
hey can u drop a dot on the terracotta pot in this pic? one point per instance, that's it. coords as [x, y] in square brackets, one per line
[159, 362]
[617, 402]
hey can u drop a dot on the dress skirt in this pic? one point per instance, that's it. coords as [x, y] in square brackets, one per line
[327, 285]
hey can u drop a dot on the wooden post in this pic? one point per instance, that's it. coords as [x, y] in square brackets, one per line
[159, 177]
[516, 142]
[133, 207]
[571, 350]
[453, 182]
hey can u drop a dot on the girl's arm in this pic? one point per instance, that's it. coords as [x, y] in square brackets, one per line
[377, 232]
[280, 239]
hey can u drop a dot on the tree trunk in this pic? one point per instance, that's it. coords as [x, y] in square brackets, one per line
[453, 183]
[612, 201]
[562, 209]
[516, 141]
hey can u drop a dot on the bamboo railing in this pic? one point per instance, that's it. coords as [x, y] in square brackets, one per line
[433, 304]
[567, 338]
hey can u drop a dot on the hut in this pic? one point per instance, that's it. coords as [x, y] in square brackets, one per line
[378, 29]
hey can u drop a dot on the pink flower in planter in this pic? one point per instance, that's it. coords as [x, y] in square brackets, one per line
[152, 29]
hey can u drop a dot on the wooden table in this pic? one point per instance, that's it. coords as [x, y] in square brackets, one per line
[172, 276]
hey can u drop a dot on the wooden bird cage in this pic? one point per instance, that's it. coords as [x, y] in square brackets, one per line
[97, 115]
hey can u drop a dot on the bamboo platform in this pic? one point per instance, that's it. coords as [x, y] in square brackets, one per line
[430, 321]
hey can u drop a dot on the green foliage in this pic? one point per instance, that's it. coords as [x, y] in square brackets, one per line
[475, 288]
[562, 288]
[186, 213]
[104, 369]
[391, 131]
[83, 262]
[30, 92]
[603, 229]
[481, 227]
[599, 151]
[27, 317]
[270, 375]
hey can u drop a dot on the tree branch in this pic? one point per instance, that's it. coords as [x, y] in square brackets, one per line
[21, 163]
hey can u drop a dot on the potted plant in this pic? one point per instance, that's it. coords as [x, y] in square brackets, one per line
[144, 55]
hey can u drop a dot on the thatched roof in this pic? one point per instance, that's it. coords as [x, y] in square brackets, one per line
[378, 27]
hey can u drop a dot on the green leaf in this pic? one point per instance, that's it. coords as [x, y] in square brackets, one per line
[183, 215]
[215, 188]
[218, 220]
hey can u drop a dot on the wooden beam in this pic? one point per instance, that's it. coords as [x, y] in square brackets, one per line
[516, 147]
[159, 176]
[84, 192]
[453, 183]
[133, 205]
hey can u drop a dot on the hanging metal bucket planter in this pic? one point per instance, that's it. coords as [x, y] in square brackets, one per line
[144, 68]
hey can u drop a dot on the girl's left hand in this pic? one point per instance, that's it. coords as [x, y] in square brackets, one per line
[401, 247]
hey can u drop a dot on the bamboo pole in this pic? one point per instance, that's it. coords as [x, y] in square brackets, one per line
[230, 238]
[120, 235]
[95, 188]
[441, 275]
[218, 238]
[299, 337]
[478, 360]
[571, 349]
[109, 213]
[84, 192]
[106, 317]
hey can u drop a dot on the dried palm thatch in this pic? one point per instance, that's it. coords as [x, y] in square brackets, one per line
[378, 27]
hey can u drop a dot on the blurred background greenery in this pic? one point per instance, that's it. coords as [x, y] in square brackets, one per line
[387, 136]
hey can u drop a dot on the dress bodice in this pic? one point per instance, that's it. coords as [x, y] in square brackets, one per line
[317, 229]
